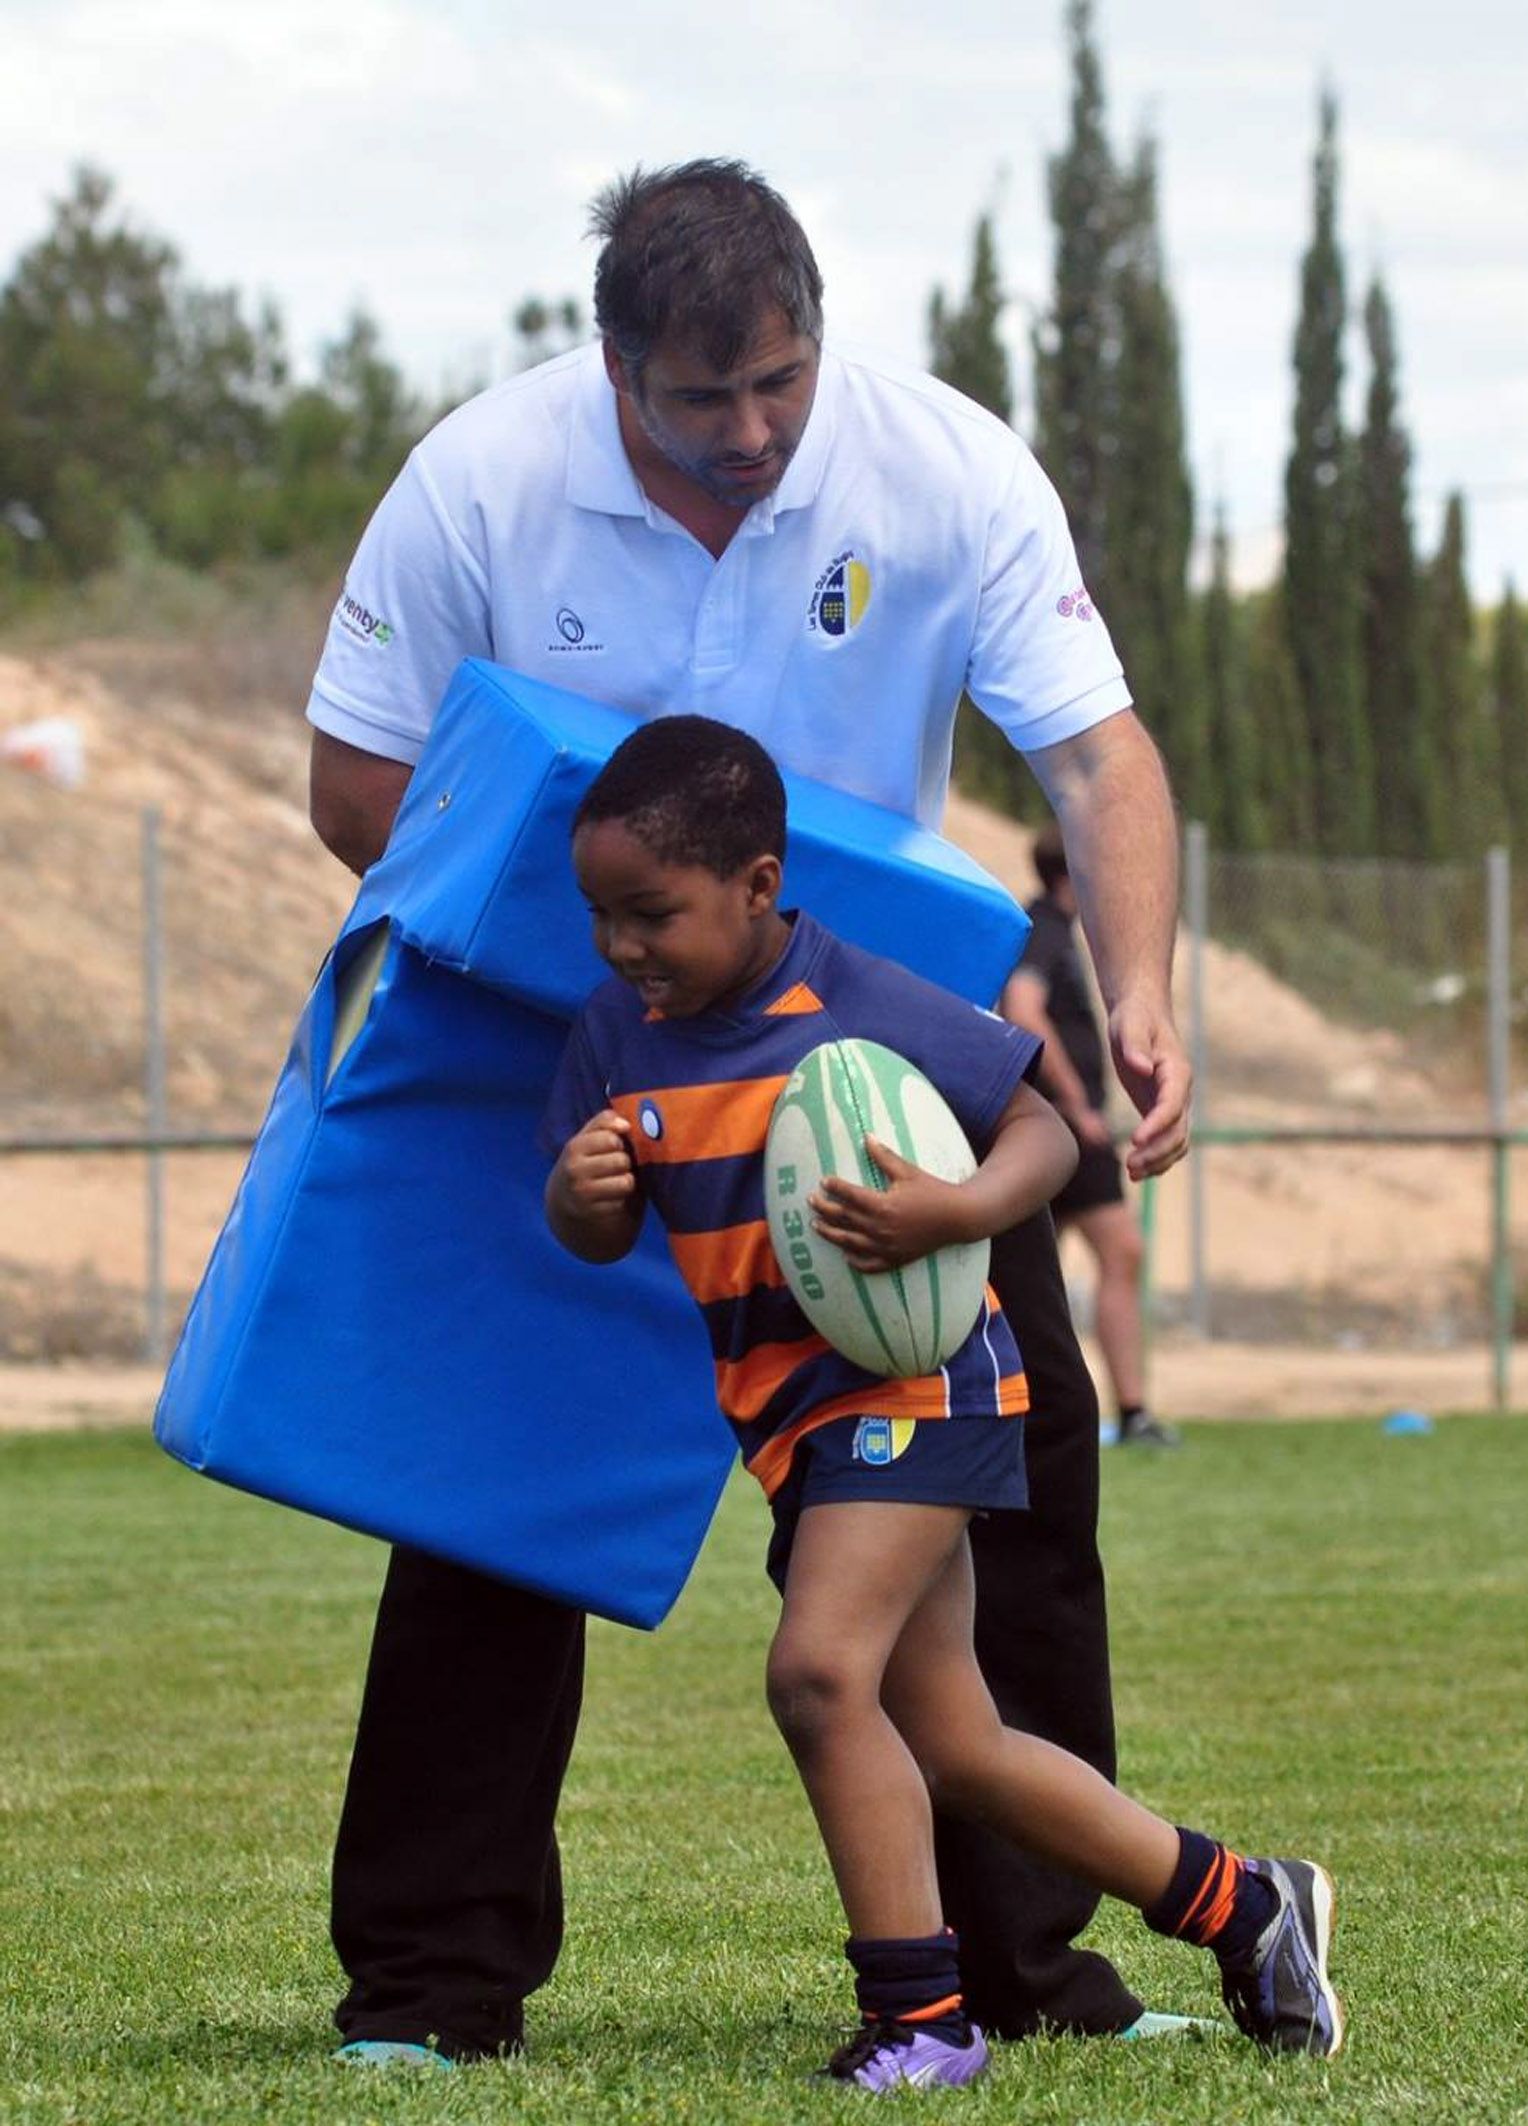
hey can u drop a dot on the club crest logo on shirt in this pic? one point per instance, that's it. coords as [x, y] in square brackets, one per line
[649, 1120]
[879, 1440]
[839, 597]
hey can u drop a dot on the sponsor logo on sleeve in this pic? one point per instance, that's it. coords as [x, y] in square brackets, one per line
[1075, 605]
[839, 597]
[358, 620]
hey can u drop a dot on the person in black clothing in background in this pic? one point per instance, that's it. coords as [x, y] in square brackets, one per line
[1048, 994]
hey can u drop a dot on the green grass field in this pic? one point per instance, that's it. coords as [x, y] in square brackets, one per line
[1321, 1645]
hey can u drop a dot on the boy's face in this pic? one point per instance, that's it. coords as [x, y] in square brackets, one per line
[684, 938]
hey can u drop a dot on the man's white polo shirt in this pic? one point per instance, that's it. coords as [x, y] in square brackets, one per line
[912, 549]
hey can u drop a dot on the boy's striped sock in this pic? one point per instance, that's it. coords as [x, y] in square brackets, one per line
[914, 1980]
[1213, 1900]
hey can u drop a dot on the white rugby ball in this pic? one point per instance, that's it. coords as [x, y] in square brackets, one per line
[905, 1322]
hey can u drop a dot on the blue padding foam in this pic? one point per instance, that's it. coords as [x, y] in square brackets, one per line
[386, 1334]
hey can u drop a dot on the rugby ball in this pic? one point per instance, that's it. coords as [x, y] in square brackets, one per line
[905, 1322]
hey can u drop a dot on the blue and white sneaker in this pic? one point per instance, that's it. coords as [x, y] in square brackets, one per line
[389, 2052]
[1281, 1996]
[886, 2056]
[1155, 2022]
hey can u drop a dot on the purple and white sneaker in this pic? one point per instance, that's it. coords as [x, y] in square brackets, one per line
[1281, 1996]
[885, 2056]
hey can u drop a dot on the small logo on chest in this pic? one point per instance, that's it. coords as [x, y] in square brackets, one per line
[571, 634]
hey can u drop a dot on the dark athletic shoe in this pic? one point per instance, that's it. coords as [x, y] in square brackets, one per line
[1281, 1996]
[886, 2056]
[1144, 1430]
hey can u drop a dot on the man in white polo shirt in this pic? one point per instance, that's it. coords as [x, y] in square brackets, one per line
[706, 511]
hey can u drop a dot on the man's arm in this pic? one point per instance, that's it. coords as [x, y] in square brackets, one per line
[353, 797]
[1109, 791]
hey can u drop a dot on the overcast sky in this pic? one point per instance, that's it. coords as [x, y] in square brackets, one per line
[433, 159]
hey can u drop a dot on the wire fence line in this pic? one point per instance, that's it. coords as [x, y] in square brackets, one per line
[1367, 1011]
[1413, 1007]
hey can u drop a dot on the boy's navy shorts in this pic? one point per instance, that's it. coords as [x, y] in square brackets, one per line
[976, 1462]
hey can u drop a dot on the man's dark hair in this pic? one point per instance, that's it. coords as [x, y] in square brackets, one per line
[1049, 856]
[703, 249]
[694, 791]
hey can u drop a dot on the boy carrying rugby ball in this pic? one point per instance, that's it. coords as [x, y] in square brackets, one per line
[664, 1097]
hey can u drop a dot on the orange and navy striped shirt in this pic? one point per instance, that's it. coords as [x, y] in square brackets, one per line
[699, 1093]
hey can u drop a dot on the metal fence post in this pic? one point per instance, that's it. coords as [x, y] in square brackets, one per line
[154, 1080]
[1196, 901]
[1498, 1056]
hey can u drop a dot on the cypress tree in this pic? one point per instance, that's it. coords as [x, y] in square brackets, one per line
[1149, 498]
[1072, 345]
[965, 346]
[1234, 808]
[966, 350]
[1468, 774]
[1409, 817]
[1285, 779]
[1508, 700]
[1321, 592]
[1509, 712]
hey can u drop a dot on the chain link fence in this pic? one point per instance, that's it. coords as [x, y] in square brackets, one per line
[1357, 1030]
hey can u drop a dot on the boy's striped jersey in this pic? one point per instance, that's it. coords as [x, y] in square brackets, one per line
[698, 1093]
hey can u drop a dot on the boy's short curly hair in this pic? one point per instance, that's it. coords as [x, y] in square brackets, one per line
[693, 791]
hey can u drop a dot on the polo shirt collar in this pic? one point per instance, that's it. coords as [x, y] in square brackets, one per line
[599, 471]
[804, 474]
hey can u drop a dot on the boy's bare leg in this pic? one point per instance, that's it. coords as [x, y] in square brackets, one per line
[1022, 1788]
[857, 1572]
[874, 1683]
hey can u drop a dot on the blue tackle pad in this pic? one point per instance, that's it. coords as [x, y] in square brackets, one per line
[386, 1334]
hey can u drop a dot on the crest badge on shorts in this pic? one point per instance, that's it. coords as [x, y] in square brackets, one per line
[879, 1440]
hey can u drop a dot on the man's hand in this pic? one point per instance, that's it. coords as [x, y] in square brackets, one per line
[592, 1203]
[1154, 1071]
[880, 1229]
